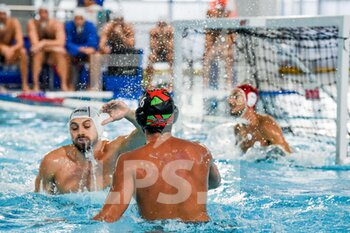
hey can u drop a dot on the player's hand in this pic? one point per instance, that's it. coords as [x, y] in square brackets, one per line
[116, 109]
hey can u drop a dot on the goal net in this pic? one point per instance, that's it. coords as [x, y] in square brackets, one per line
[299, 65]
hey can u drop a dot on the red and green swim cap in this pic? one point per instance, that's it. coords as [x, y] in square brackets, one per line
[156, 110]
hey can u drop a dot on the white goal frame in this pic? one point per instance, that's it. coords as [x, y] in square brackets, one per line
[341, 22]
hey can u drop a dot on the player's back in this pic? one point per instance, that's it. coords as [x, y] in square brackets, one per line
[177, 180]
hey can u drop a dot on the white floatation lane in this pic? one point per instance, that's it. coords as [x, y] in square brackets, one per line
[80, 94]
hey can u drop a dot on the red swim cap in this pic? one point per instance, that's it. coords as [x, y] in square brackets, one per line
[251, 94]
[218, 3]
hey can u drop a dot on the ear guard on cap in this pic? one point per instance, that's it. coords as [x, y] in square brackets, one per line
[251, 94]
[251, 99]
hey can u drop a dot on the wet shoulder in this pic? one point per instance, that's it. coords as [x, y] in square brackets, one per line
[109, 148]
[58, 152]
[135, 154]
[267, 121]
[115, 144]
[55, 155]
[192, 147]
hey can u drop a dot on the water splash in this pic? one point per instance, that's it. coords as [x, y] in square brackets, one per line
[93, 167]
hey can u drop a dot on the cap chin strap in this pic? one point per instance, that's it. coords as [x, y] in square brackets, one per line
[251, 99]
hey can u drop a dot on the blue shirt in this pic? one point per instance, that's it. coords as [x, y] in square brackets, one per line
[87, 38]
[99, 2]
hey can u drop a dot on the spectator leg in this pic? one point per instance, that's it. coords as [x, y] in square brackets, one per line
[37, 61]
[23, 59]
[60, 59]
[95, 72]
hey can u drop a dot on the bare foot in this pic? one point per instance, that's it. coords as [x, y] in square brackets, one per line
[26, 89]
[2, 89]
[65, 88]
[36, 89]
[93, 89]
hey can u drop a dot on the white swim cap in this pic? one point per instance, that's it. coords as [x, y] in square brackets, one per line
[5, 9]
[79, 12]
[43, 6]
[91, 113]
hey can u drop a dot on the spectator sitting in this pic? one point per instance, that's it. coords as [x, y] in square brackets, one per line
[81, 2]
[47, 38]
[11, 44]
[117, 36]
[82, 39]
[161, 43]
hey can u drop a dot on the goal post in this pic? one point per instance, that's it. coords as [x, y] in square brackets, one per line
[342, 88]
[263, 51]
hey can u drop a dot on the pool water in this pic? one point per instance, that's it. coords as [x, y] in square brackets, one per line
[304, 192]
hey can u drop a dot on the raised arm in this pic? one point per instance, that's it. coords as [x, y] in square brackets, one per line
[120, 193]
[118, 110]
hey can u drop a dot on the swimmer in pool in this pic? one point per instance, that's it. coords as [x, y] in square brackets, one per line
[262, 129]
[70, 169]
[169, 177]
